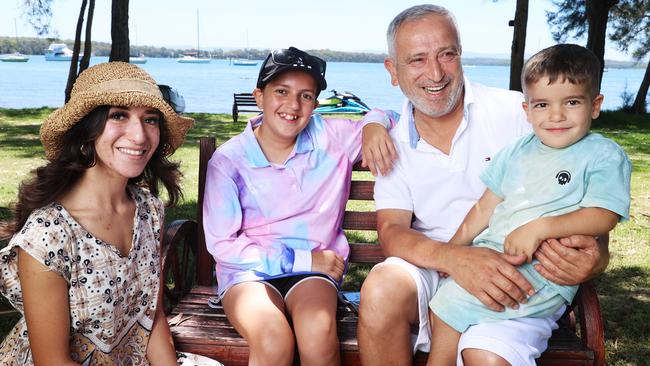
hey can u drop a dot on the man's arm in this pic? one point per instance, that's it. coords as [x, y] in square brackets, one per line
[486, 274]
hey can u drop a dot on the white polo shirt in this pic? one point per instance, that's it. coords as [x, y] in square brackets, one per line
[438, 188]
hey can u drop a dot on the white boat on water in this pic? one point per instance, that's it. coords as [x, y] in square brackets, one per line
[138, 59]
[14, 57]
[187, 59]
[59, 52]
[244, 63]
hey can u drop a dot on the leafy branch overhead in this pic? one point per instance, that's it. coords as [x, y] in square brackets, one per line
[629, 22]
[39, 15]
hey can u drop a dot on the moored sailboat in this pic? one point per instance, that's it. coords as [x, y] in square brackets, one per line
[187, 59]
[16, 56]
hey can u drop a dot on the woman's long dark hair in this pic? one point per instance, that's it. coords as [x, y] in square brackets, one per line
[78, 154]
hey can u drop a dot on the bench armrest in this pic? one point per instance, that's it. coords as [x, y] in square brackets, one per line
[591, 321]
[179, 260]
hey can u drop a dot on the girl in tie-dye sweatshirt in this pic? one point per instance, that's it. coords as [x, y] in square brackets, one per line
[273, 206]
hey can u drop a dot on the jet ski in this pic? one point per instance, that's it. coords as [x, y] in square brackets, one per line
[345, 102]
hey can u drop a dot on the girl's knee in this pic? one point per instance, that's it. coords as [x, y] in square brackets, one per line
[319, 337]
[321, 350]
[271, 348]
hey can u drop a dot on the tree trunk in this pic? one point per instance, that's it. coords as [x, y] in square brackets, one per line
[74, 63]
[518, 44]
[120, 31]
[639, 106]
[597, 14]
[88, 49]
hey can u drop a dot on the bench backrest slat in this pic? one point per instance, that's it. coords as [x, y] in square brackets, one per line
[365, 253]
[355, 220]
[362, 190]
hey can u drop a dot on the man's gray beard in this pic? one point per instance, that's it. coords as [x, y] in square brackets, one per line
[422, 105]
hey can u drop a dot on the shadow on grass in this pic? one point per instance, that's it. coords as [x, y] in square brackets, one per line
[26, 113]
[183, 211]
[624, 295]
[219, 125]
[5, 213]
[21, 140]
[630, 130]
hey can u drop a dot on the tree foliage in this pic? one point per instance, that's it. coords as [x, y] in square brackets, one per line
[39, 16]
[569, 20]
[629, 24]
[631, 32]
[575, 17]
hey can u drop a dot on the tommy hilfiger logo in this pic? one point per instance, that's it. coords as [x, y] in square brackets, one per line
[563, 177]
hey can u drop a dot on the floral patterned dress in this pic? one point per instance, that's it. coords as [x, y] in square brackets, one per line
[112, 297]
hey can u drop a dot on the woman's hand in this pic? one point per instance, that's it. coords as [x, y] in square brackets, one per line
[328, 262]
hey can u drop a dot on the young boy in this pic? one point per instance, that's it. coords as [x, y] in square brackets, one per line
[560, 180]
[274, 201]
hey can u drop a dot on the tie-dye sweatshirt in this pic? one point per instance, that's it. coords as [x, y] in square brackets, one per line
[262, 220]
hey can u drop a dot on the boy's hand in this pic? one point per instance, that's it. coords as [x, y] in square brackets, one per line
[378, 150]
[525, 239]
[328, 262]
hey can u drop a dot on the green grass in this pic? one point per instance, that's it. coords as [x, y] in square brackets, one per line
[624, 289]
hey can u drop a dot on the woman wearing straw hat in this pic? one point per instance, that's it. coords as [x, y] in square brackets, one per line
[83, 263]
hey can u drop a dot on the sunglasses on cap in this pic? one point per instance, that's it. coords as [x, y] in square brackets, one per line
[295, 57]
[282, 60]
[173, 98]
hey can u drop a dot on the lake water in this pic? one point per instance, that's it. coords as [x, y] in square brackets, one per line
[209, 87]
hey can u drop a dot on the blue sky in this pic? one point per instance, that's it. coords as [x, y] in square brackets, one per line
[344, 25]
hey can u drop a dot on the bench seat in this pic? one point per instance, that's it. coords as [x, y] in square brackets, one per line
[206, 331]
[243, 102]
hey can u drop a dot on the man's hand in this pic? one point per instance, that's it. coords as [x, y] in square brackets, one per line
[490, 276]
[572, 260]
[328, 262]
[378, 150]
[525, 239]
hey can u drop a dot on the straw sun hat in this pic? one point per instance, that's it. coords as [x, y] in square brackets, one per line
[117, 84]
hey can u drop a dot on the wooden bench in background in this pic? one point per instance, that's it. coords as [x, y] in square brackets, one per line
[243, 102]
[206, 331]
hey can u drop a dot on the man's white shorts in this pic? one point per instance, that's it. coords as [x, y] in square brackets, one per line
[518, 341]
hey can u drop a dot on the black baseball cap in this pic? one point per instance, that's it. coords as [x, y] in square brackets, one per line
[292, 58]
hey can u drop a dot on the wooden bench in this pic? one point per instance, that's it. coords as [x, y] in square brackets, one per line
[198, 328]
[243, 102]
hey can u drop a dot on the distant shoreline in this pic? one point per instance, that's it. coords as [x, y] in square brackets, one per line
[36, 46]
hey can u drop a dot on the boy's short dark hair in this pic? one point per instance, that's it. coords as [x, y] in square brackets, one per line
[567, 62]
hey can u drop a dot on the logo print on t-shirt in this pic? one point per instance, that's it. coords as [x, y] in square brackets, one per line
[563, 177]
